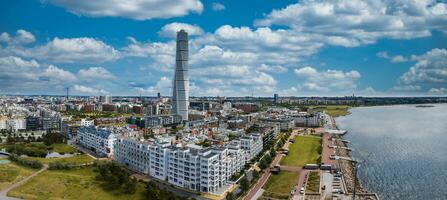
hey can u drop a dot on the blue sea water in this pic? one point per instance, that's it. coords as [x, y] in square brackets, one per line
[403, 149]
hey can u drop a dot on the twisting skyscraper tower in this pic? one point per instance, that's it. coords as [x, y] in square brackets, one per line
[180, 90]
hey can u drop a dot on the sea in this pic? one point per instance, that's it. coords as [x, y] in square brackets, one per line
[402, 150]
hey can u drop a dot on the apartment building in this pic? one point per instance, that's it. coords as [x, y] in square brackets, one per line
[98, 140]
[189, 166]
[132, 153]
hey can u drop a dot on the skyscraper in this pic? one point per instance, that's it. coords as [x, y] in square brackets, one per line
[180, 90]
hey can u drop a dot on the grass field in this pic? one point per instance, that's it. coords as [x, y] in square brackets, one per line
[303, 151]
[63, 148]
[280, 185]
[69, 184]
[11, 173]
[60, 148]
[313, 183]
[78, 159]
[333, 110]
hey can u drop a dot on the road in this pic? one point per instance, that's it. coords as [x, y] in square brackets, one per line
[5, 191]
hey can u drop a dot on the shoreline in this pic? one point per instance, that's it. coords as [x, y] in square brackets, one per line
[350, 178]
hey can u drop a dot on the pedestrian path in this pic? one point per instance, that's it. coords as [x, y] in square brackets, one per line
[5, 191]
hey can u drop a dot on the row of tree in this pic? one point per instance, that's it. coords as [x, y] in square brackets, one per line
[25, 162]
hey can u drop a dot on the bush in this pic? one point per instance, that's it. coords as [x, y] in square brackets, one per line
[25, 162]
[115, 176]
[61, 166]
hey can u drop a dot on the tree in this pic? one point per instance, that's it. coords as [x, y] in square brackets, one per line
[245, 185]
[230, 196]
[263, 164]
[255, 174]
[130, 186]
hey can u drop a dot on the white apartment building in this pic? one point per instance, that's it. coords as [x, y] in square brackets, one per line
[16, 124]
[252, 145]
[85, 122]
[188, 166]
[133, 154]
[98, 140]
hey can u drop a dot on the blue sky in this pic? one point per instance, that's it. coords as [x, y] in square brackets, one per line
[238, 48]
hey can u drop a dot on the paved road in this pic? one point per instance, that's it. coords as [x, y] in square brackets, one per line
[5, 191]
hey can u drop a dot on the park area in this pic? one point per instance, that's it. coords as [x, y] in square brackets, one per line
[279, 185]
[332, 110]
[11, 173]
[305, 150]
[70, 184]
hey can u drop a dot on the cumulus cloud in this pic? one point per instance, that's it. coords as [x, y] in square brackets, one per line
[162, 85]
[328, 80]
[21, 37]
[92, 73]
[170, 30]
[18, 74]
[60, 50]
[356, 22]
[396, 58]
[88, 90]
[438, 90]
[431, 68]
[217, 6]
[133, 9]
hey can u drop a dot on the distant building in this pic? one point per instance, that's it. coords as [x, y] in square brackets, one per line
[85, 122]
[180, 91]
[276, 98]
[105, 99]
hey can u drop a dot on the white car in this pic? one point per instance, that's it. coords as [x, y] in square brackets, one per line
[302, 190]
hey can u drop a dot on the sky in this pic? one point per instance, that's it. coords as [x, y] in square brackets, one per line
[237, 48]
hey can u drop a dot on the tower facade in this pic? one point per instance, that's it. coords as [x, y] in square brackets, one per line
[180, 89]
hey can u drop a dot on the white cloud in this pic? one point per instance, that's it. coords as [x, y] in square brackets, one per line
[163, 84]
[88, 90]
[329, 80]
[396, 58]
[29, 76]
[133, 9]
[17, 62]
[170, 30]
[93, 73]
[54, 72]
[21, 37]
[356, 22]
[438, 90]
[431, 68]
[62, 50]
[217, 6]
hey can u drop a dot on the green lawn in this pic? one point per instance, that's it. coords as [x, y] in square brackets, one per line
[280, 185]
[313, 183]
[78, 159]
[303, 151]
[63, 148]
[333, 110]
[11, 173]
[69, 184]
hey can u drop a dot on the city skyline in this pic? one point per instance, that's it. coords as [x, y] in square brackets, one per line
[338, 48]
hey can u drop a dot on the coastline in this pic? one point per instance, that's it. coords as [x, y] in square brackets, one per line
[347, 166]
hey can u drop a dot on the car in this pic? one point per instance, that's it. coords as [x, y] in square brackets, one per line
[302, 190]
